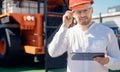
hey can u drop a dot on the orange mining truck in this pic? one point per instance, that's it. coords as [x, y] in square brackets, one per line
[26, 27]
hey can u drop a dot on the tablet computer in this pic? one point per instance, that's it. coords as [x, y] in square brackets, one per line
[85, 56]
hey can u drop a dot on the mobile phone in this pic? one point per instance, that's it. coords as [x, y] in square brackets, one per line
[74, 22]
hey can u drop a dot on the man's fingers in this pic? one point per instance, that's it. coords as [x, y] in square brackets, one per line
[106, 55]
[102, 60]
[67, 18]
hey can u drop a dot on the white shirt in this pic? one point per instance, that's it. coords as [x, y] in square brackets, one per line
[98, 38]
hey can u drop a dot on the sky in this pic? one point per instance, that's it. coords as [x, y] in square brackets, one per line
[101, 6]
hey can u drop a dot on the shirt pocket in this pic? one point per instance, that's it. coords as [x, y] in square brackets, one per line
[98, 45]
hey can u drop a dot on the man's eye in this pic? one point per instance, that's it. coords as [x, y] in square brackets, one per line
[79, 11]
[85, 10]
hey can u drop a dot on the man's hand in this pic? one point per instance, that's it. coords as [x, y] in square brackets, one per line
[67, 18]
[102, 60]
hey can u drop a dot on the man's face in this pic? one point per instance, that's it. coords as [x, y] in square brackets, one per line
[83, 16]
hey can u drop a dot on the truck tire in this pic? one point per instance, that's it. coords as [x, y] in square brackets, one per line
[10, 47]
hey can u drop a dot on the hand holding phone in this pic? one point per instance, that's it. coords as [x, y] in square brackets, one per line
[102, 60]
[67, 18]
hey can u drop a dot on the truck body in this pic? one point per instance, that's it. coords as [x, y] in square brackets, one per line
[25, 27]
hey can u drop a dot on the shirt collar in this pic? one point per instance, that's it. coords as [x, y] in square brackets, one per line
[89, 29]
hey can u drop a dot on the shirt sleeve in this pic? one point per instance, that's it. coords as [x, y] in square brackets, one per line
[113, 53]
[59, 43]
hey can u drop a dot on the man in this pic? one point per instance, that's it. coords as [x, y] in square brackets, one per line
[85, 37]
